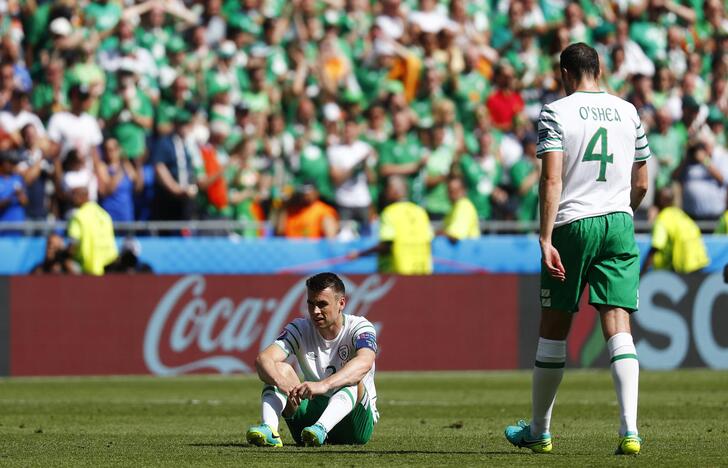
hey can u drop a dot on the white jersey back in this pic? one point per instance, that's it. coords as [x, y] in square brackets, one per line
[601, 137]
[319, 358]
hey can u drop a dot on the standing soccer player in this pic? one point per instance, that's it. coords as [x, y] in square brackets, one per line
[594, 176]
[336, 353]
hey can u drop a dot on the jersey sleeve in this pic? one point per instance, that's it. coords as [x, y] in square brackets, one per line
[641, 147]
[364, 335]
[550, 132]
[290, 339]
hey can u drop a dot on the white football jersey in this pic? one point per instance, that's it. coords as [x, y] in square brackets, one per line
[319, 358]
[601, 137]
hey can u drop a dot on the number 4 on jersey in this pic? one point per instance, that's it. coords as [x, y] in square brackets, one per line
[599, 137]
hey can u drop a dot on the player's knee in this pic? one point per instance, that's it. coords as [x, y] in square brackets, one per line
[555, 324]
[353, 391]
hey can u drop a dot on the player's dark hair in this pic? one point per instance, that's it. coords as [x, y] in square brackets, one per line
[321, 281]
[580, 60]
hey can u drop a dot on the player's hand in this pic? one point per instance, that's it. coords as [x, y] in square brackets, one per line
[552, 260]
[308, 390]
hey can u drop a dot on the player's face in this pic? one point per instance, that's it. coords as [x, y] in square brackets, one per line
[325, 307]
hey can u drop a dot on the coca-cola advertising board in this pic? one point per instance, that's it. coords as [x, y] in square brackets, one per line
[168, 325]
[171, 325]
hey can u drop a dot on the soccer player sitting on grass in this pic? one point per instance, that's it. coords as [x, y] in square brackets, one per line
[336, 352]
[594, 175]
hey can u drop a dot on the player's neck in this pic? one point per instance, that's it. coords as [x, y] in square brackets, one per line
[587, 86]
[331, 332]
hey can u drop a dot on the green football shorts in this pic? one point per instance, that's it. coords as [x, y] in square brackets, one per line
[601, 251]
[355, 429]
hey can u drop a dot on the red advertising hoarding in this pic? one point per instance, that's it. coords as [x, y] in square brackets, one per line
[170, 325]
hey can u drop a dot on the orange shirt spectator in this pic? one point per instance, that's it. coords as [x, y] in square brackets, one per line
[307, 216]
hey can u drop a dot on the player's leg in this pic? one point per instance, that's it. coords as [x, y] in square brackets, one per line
[340, 405]
[273, 404]
[576, 243]
[625, 374]
[357, 427]
[614, 284]
[548, 369]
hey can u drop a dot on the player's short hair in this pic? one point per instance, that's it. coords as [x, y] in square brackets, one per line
[321, 281]
[580, 60]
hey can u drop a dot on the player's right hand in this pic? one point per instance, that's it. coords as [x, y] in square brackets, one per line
[552, 261]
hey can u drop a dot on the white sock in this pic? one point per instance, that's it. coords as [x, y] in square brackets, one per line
[626, 375]
[340, 404]
[547, 373]
[272, 406]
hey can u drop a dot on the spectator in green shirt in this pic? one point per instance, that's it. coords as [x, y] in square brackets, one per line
[309, 163]
[128, 112]
[176, 98]
[404, 155]
[666, 145]
[437, 169]
[483, 173]
[50, 95]
[524, 176]
[102, 15]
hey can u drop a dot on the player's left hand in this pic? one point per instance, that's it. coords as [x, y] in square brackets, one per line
[308, 390]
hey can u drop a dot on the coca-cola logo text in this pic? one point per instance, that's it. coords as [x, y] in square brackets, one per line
[221, 330]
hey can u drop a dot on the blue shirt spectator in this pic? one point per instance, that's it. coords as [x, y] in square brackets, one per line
[703, 177]
[12, 190]
[174, 174]
[143, 199]
[117, 186]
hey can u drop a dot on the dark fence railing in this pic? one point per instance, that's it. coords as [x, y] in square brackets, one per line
[218, 227]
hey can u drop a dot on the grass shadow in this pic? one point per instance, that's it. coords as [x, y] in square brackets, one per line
[298, 448]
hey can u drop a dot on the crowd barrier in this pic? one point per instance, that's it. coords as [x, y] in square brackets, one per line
[171, 325]
[234, 255]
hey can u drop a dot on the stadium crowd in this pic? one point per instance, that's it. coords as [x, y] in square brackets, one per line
[296, 112]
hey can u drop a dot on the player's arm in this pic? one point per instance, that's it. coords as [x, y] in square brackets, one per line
[266, 365]
[549, 191]
[351, 374]
[639, 184]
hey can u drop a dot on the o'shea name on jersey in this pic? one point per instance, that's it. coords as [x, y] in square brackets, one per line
[599, 114]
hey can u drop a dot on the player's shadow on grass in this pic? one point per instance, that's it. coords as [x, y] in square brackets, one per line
[295, 448]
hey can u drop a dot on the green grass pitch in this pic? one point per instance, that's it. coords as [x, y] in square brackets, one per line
[430, 419]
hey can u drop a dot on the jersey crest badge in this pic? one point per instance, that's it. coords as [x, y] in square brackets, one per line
[343, 352]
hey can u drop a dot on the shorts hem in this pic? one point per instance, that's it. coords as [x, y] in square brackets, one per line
[629, 309]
